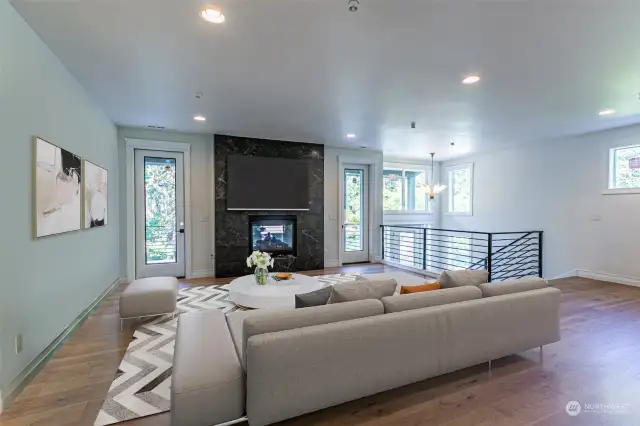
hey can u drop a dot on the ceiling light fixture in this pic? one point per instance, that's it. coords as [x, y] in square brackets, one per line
[213, 15]
[353, 5]
[200, 118]
[471, 79]
[433, 188]
[351, 135]
[607, 111]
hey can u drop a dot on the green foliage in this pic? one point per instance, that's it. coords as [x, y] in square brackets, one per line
[625, 176]
[160, 200]
[461, 187]
[392, 193]
[353, 209]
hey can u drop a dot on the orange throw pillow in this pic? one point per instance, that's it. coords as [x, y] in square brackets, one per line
[419, 288]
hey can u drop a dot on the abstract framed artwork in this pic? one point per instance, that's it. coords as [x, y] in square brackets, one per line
[95, 180]
[57, 192]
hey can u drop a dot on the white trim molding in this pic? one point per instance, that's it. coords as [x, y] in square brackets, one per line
[131, 146]
[331, 263]
[610, 188]
[16, 386]
[207, 273]
[446, 210]
[375, 200]
[601, 276]
[621, 191]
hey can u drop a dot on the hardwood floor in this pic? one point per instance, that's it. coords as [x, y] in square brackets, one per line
[596, 362]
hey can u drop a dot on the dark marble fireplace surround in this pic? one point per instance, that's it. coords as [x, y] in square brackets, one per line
[232, 227]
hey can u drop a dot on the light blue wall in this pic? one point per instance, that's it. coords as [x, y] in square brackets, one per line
[46, 283]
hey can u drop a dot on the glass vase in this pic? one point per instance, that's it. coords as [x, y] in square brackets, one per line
[261, 276]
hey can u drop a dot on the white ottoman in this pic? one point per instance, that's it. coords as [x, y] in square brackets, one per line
[149, 297]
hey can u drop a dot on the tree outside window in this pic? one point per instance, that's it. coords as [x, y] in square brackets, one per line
[625, 168]
[392, 193]
[405, 190]
[461, 189]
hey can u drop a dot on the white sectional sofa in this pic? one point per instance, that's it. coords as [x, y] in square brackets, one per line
[271, 366]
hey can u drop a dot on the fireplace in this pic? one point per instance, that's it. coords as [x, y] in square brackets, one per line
[273, 234]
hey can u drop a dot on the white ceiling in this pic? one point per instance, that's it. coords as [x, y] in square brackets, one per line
[309, 70]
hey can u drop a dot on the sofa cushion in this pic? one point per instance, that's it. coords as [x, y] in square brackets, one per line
[419, 288]
[361, 290]
[273, 321]
[208, 381]
[315, 298]
[513, 286]
[407, 302]
[464, 277]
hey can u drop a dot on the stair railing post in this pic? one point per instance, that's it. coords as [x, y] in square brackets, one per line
[540, 253]
[424, 249]
[489, 255]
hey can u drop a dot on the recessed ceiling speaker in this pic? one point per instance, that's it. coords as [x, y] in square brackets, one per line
[353, 5]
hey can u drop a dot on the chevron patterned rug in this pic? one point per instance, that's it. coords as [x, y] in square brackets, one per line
[142, 384]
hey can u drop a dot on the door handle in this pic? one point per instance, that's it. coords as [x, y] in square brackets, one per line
[181, 231]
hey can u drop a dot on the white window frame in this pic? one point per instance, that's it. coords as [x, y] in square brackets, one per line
[611, 190]
[402, 167]
[449, 200]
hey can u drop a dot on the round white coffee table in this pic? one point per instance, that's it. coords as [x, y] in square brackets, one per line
[245, 292]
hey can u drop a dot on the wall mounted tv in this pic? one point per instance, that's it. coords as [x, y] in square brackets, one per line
[260, 183]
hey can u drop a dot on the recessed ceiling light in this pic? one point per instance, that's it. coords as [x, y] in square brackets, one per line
[607, 111]
[213, 15]
[471, 79]
[200, 118]
[351, 135]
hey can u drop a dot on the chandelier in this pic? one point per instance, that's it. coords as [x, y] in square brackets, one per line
[433, 188]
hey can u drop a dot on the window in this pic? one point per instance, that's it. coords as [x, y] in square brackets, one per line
[404, 190]
[624, 168]
[392, 193]
[460, 189]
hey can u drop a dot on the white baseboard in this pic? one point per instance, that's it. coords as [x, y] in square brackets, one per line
[331, 263]
[206, 273]
[16, 386]
[568, 274]
[602, 276]
[612, 278]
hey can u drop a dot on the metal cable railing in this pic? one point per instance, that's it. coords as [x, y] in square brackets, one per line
[506, 255]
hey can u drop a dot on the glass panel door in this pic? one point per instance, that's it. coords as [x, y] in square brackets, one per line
[355, 231]
[159, 192]
[353, 190]
[160, 210]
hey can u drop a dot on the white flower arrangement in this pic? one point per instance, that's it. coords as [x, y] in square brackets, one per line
[260, 260]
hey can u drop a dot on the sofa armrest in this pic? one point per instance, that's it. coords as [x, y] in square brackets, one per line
[208, 382]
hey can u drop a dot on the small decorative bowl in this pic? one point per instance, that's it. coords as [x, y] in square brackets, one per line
[283, 276]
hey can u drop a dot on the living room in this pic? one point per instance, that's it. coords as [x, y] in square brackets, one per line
[455, 186]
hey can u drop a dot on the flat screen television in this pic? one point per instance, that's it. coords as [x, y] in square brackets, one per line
[260, 183]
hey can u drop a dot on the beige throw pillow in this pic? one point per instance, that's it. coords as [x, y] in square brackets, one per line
[451, 279]
[513, 286]
[361, 290]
